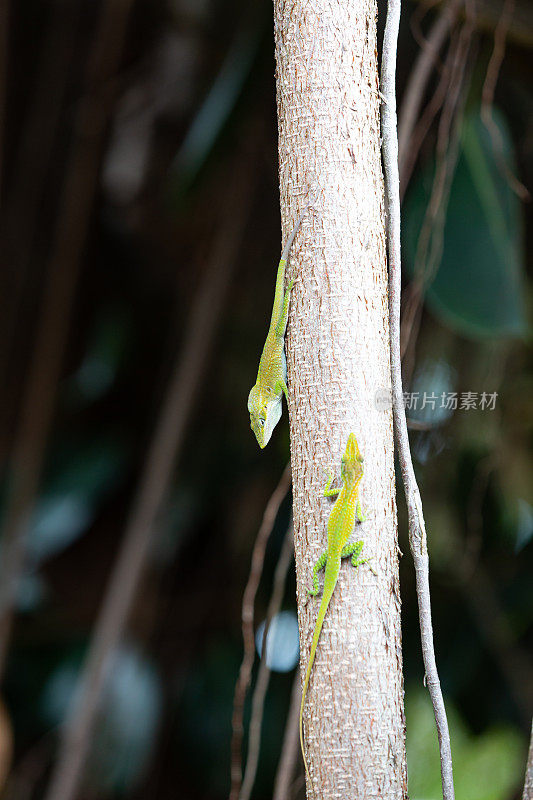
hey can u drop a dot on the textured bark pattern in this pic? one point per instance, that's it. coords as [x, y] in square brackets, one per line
[338, 369]
[528, 784]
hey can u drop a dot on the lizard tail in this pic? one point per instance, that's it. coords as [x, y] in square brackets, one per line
[304, 692]
[324, 603]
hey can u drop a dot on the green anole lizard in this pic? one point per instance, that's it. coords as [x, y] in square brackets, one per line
[265, 398]
[341, 523]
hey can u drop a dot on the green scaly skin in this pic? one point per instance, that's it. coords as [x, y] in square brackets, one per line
[265, 398]
[346, 510]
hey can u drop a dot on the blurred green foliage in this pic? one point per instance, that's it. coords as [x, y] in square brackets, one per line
[478, 285]
[486, 767]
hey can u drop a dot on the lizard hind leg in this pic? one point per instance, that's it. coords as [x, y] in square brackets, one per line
[281, 327]
[320, 564]
[354, 549]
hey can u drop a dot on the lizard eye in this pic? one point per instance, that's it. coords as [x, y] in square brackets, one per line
[261, 421]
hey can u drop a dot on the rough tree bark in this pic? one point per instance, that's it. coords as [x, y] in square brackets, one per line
[339, 377]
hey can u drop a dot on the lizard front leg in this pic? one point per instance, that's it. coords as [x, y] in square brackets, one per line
[330, 492]
[281, 386]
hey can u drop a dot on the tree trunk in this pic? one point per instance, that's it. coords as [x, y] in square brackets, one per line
[339, 381]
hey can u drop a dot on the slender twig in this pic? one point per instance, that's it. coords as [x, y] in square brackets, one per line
[419, 77]
[429, 113]
[248, 600]
[488, 13]
[498, 52]
[73, 222]
[487, 98]
[431, 238]
[29, 769]
[290, 748]
[447, 152]
[417, 529]
[31, 163]
[528, 783]
[263, 677]
[153, 489]
[417, 18]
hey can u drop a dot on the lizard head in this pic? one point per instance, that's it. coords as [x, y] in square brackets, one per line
[352, 461]
[265, 411]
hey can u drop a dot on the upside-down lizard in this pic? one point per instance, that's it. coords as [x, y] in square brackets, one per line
[265, 398]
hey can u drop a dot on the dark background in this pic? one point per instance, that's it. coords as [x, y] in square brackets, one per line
[132, 179]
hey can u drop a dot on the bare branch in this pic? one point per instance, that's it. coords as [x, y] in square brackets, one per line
[74, 216]
[248, 600]
[429, 113]
[417, 530]
[154, 484]
[290, 749]
[451, 93]
[498, 52]
[446, 93]
[29, 769]
[487, 98]
[429, 246]
[488, 14]
[20, 217]
[263, 677]
[419, 77]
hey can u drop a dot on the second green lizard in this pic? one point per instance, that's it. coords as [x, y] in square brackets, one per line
[346, 510]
